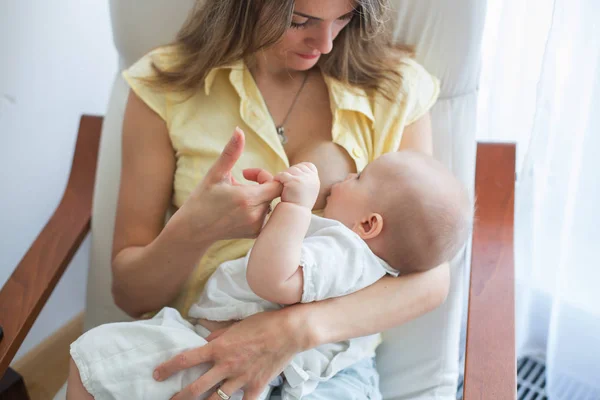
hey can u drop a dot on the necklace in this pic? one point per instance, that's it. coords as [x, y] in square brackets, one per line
[281, 128]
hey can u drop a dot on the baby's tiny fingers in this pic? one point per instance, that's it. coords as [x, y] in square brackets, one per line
[284, 177]
[304, 168]
[296, 170]
[312, 167]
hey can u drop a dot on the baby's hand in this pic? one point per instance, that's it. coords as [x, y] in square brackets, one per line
[300, 184]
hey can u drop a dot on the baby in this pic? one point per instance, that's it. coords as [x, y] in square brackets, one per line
[403, 213]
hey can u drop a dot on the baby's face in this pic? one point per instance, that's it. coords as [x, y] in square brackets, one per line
[349, 199]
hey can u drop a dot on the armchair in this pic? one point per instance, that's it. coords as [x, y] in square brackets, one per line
[432, 341]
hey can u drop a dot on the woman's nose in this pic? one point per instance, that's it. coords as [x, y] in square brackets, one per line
[323, 39]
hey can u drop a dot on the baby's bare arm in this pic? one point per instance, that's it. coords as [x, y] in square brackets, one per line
[274, 271]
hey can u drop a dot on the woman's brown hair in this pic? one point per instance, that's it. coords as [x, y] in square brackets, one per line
[221, 32]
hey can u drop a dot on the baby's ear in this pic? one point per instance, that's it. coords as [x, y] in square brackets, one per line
[369, 227]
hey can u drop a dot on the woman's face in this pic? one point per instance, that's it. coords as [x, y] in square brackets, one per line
[315, 24]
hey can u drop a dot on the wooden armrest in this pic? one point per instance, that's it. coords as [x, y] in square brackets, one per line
[34, 279]
[490, 366]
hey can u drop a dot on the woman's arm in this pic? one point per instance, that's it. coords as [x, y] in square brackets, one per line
[418, 136]
[146, 258]
[150, 263]
[387, 303]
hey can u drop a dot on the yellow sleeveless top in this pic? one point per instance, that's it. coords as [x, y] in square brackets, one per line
[200, 126]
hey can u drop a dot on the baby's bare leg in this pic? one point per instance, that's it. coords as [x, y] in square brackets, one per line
[75, 388]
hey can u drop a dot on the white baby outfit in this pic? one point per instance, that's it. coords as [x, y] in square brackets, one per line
[335, 262]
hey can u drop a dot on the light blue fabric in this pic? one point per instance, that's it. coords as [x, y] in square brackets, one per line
[358, 382]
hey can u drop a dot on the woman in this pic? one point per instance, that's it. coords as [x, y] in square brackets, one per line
[306, 80]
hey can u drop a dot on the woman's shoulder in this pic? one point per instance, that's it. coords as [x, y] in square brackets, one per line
[413, 83]
[415, 79]
[162, 57]
[413, 68]
[417, 92]
[139, 78]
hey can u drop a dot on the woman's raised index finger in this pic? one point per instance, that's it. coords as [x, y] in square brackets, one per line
[229, 156]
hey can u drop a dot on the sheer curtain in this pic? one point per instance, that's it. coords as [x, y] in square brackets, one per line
[541, 88]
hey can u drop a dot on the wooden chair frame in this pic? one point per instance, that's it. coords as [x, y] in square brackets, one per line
[490, 369]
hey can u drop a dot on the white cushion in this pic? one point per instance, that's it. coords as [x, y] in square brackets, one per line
[418, 360]
[141, 25]
[138, 26]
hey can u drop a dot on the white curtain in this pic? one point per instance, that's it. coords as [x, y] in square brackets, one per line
[540, 87]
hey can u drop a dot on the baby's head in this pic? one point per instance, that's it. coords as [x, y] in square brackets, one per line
[411, 211]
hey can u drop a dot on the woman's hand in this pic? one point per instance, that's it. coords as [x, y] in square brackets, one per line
[222, 208]
[247, 355]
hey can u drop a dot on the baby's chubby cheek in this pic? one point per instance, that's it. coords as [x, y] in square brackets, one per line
[332, 209]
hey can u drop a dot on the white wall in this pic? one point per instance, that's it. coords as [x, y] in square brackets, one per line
[57, 62]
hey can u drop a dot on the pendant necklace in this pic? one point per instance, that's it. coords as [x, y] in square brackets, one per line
[281, 128]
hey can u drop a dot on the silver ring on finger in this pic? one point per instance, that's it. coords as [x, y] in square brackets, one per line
[222, 394]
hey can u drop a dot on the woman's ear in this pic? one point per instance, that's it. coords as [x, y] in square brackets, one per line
[370, 227]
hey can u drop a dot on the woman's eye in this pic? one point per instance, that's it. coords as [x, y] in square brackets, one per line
[297, 25]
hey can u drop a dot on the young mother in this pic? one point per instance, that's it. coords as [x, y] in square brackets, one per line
[306, 80]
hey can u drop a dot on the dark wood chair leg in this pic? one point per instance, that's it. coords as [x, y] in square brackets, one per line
[12, 386]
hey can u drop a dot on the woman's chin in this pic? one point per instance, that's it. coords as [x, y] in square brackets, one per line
[301, 64]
